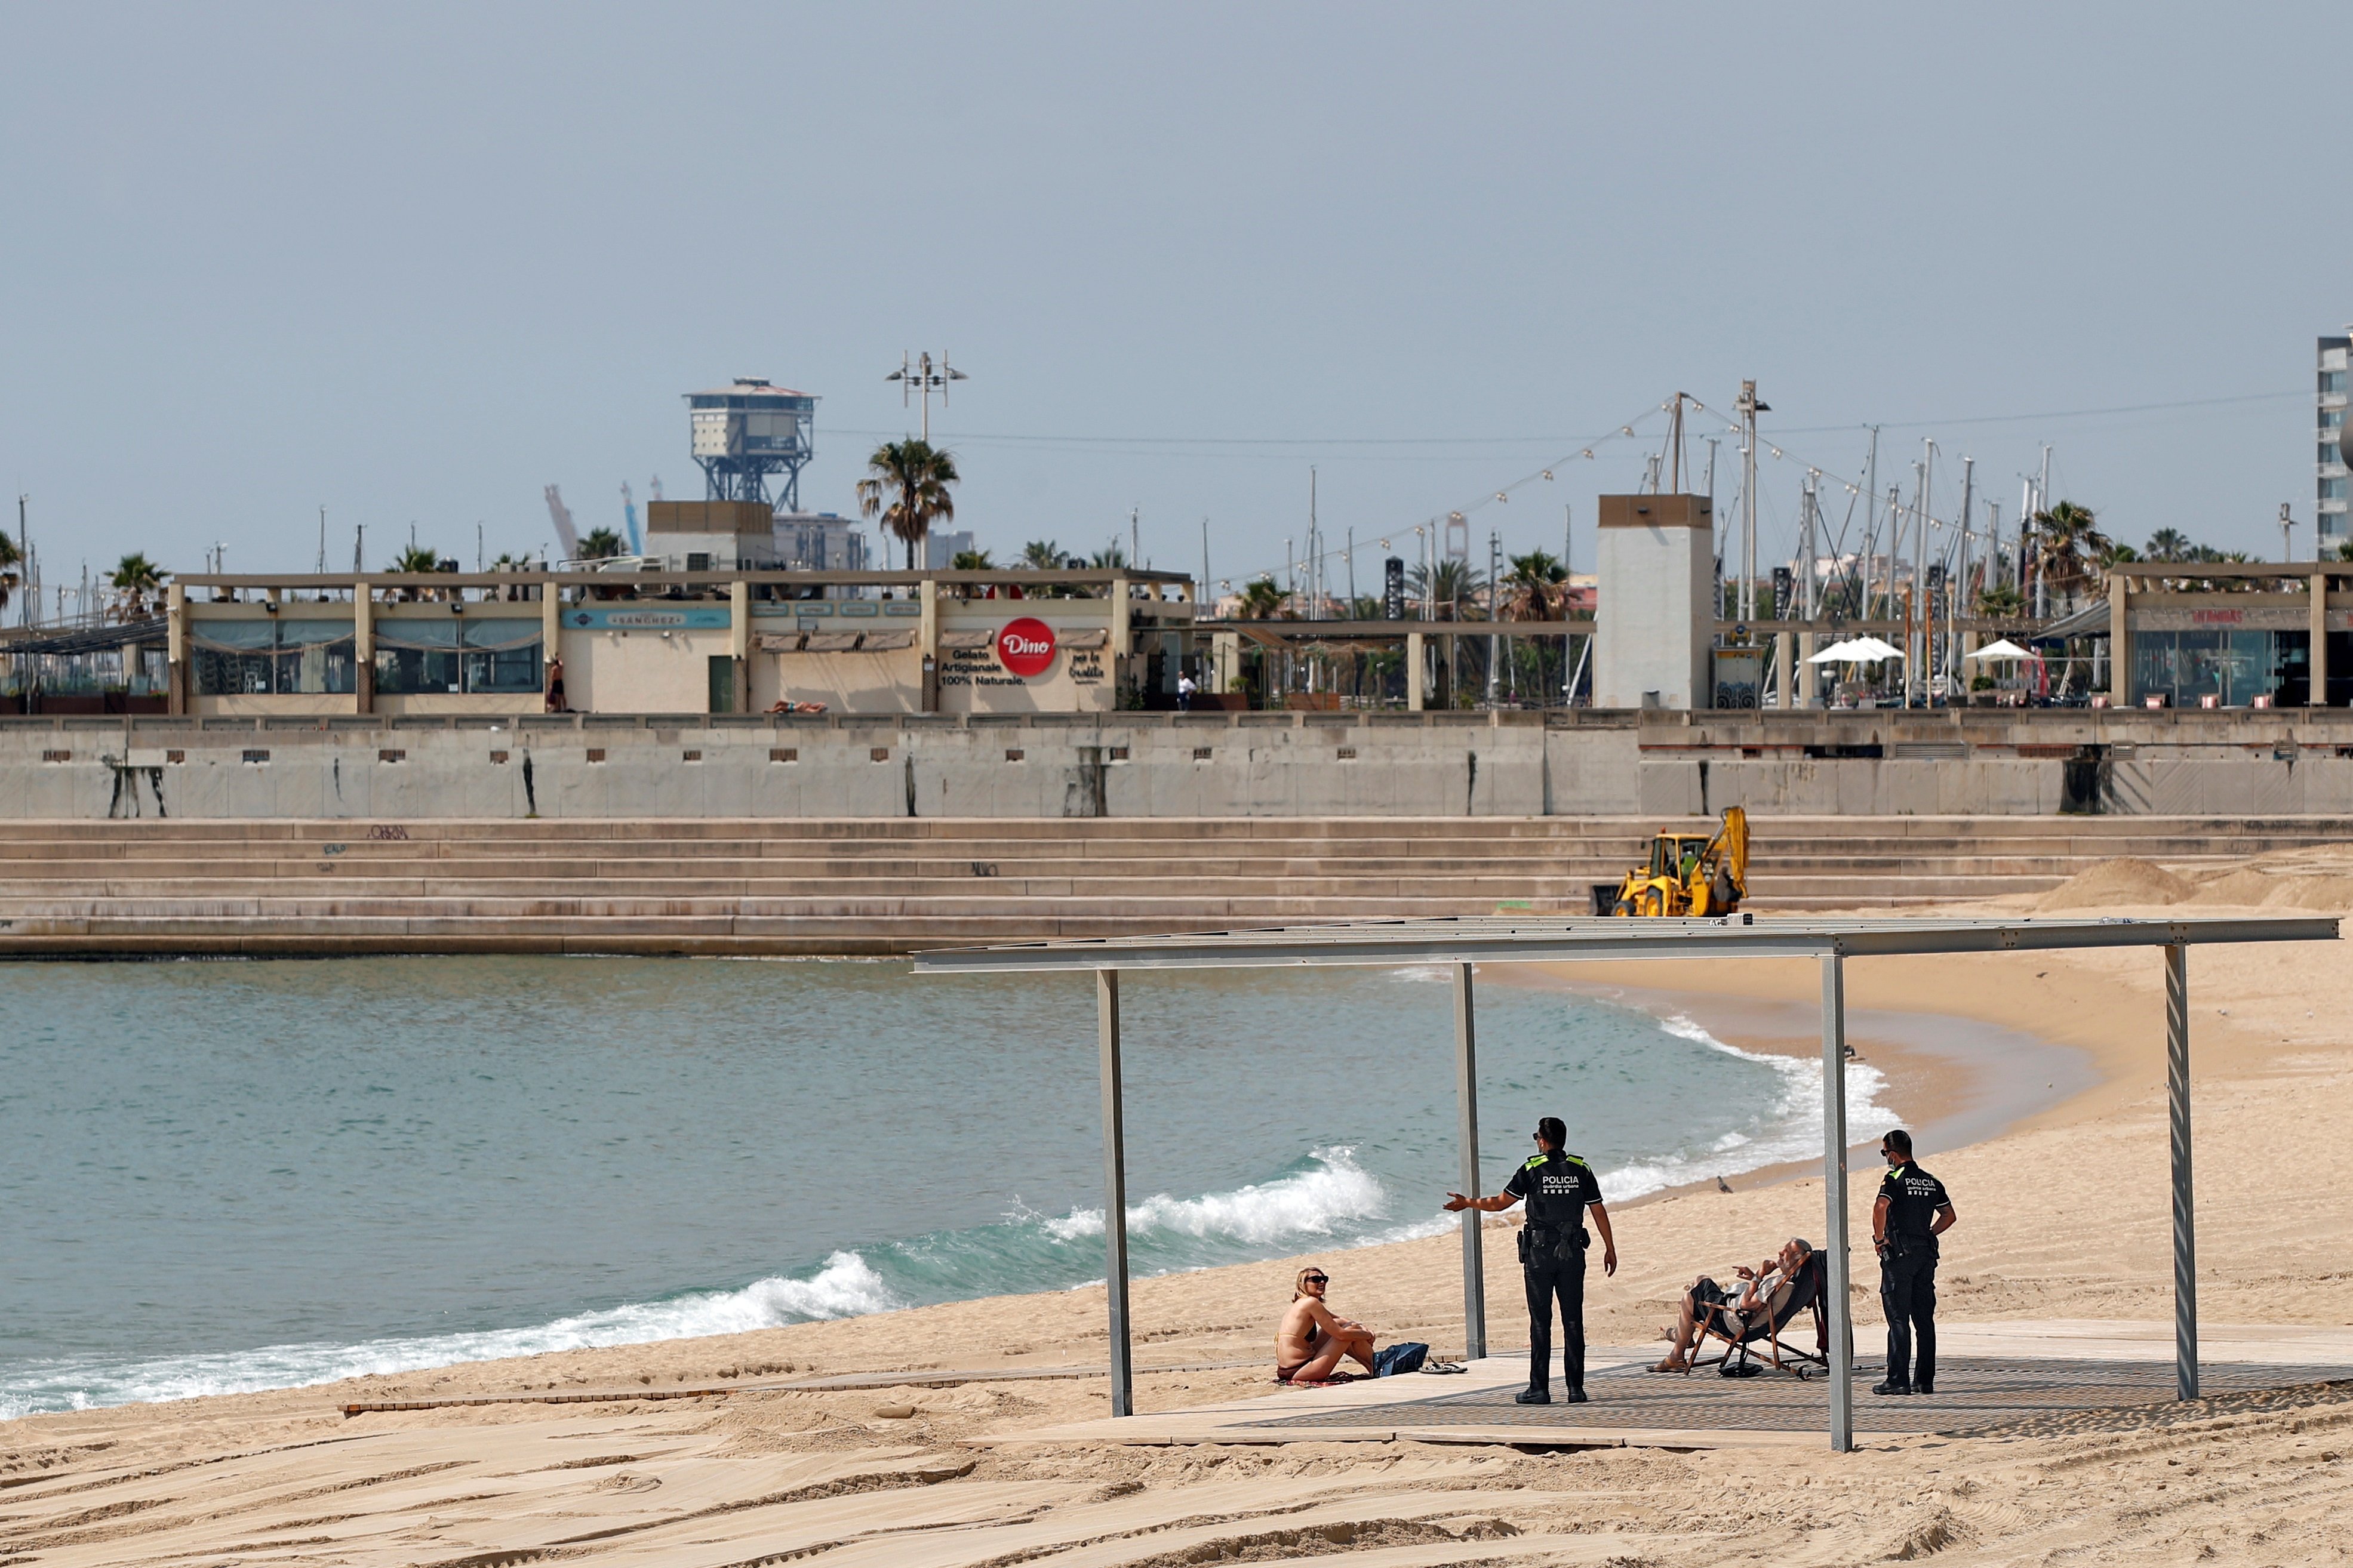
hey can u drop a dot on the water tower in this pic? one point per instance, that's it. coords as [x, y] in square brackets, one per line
[748, 431]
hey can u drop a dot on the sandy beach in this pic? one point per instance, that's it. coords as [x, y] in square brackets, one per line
[2056, 1157]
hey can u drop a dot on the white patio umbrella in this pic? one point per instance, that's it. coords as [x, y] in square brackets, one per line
[1834, 654]
[1864, 650]
[2003, 648]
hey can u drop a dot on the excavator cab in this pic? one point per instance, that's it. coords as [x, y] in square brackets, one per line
[1687, 874]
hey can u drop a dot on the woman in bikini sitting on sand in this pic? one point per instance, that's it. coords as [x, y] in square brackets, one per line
[1311, 1342]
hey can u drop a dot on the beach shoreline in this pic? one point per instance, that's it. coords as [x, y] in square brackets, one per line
[2065, 1220]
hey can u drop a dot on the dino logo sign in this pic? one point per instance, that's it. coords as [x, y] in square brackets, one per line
[1026, 647]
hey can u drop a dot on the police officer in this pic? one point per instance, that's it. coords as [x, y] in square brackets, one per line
[1559, 1186]
[1912, 1212]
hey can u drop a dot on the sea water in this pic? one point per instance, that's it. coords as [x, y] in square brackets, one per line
[224, 1176]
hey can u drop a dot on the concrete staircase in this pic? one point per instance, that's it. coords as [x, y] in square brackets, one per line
[866, 886]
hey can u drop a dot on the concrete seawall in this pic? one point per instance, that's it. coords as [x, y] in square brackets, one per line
[1144, 766]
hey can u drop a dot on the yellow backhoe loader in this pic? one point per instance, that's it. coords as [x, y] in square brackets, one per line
[1688, 874]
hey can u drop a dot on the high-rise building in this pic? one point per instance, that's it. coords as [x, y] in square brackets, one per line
[820, 541]
[2330, 435]
[942, 549]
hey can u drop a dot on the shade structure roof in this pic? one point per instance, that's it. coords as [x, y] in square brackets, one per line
[1503, 939]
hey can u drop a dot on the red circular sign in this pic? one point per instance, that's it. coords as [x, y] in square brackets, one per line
[1026, 647]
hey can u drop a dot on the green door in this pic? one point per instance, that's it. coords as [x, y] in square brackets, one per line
[723, 683]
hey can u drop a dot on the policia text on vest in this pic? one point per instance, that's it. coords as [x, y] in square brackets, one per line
[1912, 1211]
[1559, 1187]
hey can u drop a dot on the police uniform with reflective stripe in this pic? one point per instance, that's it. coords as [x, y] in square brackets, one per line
[1556, 1185]
[1907, 1273]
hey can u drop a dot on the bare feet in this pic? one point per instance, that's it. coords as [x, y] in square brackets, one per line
[1672, 1363]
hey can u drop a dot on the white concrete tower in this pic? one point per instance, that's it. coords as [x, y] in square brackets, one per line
[1656, 619]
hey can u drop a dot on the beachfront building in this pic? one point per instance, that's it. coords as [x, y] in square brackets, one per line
[645, 642]
[2237, 635]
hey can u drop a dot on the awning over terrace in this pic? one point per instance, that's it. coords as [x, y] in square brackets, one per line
[1461, 943]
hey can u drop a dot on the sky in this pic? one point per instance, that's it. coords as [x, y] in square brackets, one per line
[412, 264]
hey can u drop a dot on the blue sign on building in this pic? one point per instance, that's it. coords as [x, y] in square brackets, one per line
[647, 617]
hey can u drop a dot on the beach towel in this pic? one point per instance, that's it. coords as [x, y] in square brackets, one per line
[1394, 1360]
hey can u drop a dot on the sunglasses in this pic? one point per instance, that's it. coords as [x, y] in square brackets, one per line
[1319, 1280]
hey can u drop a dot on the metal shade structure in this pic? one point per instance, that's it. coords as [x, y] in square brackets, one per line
[1461, 943]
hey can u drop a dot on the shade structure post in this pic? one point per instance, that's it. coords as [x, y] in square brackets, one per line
[2185, 1216]
[1466, 1113]
[1114, 1130]
[1834, 1218]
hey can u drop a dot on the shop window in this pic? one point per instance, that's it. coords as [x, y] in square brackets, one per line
[282, 656]
[476, 654]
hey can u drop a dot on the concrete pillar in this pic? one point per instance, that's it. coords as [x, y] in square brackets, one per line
[739, 641]
[1415, 692]
[362, 648]
[927, 593]
[1783, 642]
[551, 630]
[2120, 641]
[1809, 674]
[2319, 640]
[1119, 637]
[175, 647]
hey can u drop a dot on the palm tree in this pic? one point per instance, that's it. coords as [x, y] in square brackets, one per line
[1110, 558]
[134, 579]
[12, 569]
[1043, 555]
[2001, 603]
[2167, 544]
[2067, 543]
[598, 545]
[1448, 588]
[417, 558]
[1262, 600]
[972, 560]
[920, 475]
[1534, 586]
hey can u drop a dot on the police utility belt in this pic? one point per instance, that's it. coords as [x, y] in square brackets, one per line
[1543, 1243]
[1909, 1247]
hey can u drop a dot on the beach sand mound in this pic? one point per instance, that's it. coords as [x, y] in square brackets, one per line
[2123, 880]
[2249, 888]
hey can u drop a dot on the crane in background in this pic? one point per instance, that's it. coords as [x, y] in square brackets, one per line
[566, 535]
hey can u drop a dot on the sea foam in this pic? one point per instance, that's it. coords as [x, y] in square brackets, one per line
[844, 1287]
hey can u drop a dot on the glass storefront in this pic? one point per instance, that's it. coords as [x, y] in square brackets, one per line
[473, 654]
[277, 657]
[2233, 666]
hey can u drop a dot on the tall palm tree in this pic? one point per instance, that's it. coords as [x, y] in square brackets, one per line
[598, 544]
[2067, 545]
[2001, 603]
[1448, 589]
[906, 485]
[1043, 555]
[1263, 599]
[2169, 544]
[417, 558]
[971, 561]
[1534, 586]
[1111, 557]
[135, 579]
[12, 569]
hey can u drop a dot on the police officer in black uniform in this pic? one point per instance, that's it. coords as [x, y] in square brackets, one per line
[1912, 1212]
[1558, 1187]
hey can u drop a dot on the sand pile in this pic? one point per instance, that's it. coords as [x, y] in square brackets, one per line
[2250, 887]
[2123, 880]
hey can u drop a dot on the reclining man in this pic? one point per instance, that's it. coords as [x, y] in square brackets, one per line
[1768, 1288]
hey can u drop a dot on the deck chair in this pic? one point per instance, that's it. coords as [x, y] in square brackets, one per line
[1798, 1298]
